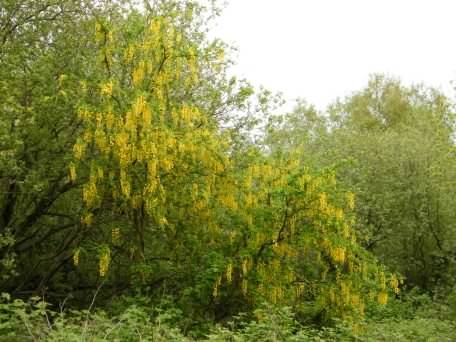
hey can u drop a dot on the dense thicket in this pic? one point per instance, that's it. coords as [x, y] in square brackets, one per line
[138, 178]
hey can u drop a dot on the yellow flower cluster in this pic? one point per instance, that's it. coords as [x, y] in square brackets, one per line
[72, 170]
[229, 273]
[394, 283]
[87, 219]
[62, 79]
[276, 294]
[89, 193]
[154, 27]
[99, 31]
[83, 85]
[345, 292]
[338, 254]
[304, 180]
[105, 259]
[100, 140]
[250, 200]
[246, 266]
[76, 256]
[187, 114]
[163, 221]
[382, 298]
[350, 200]
[109, 119]
[129, 53]
[78, 149]
[339, 214]
[121, 141]
[229, 201]
[167, 164]
[299, 290]
[346, 231]
[323, 199]
[382, 279]
[139, 73]
[106, 88]
[84, 114]
[151, 170]
[125, 184]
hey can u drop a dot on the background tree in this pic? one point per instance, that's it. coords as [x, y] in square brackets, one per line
[45, 51]
[400, 140]
[394, 146]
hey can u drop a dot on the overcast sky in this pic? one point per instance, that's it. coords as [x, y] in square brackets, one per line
[323, 49]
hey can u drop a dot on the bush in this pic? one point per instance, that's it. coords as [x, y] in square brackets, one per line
[418, 329]
[33, 320]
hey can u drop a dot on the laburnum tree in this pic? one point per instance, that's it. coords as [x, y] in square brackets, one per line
[173, 208]
[151, 144]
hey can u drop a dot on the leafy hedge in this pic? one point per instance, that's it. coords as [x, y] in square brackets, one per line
[33, 320]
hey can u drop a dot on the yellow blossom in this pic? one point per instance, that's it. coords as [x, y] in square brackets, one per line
[72, 171]
[87, 219]
[103, 264]
[229, 272]
[76, 256]
[382, 298]
[106, 88]
[323, 198]
[78, 149]
[350, 200]
[338, 254]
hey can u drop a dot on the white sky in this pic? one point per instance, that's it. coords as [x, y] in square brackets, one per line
[323, 49]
